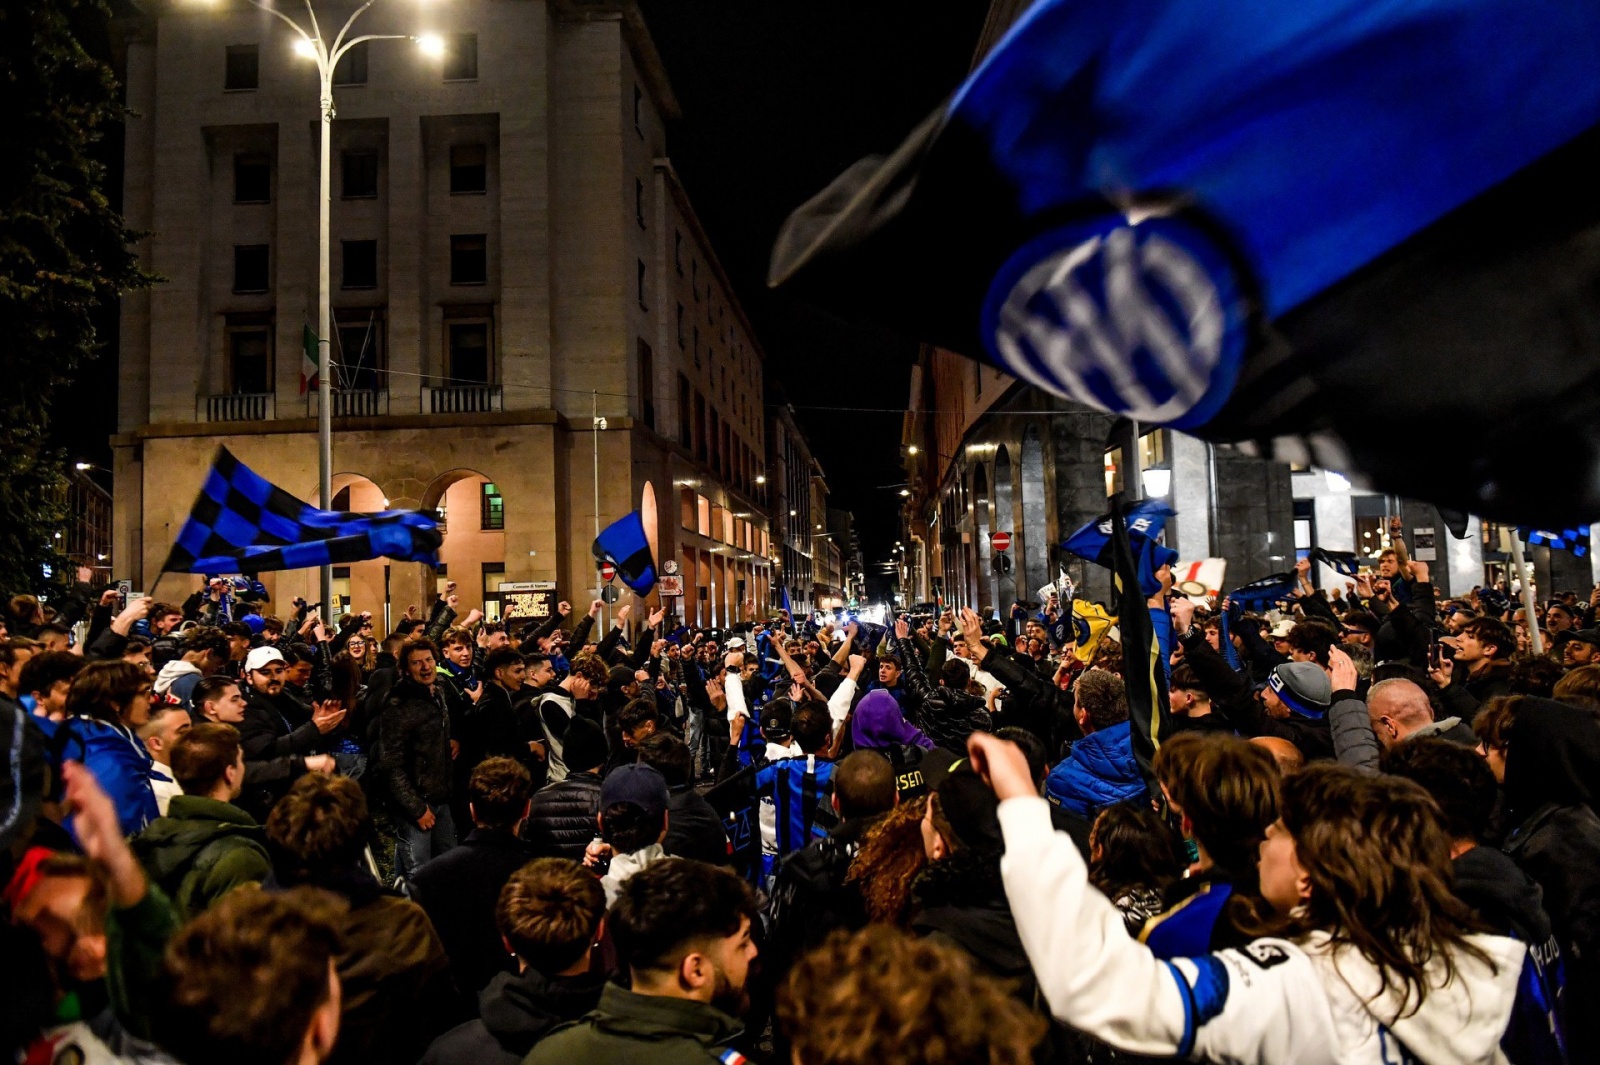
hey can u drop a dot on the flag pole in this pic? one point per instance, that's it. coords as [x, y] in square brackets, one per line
[1535, 640]
[599, 585]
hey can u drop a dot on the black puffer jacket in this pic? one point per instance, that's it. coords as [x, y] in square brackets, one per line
[414, 747]
[561, 819]
[945, 715]
[516, 1012]
[1552, 773]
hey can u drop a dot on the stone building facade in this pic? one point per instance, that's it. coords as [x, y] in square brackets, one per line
[513, 261]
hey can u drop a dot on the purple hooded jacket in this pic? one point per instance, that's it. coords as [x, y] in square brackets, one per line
[878, 723]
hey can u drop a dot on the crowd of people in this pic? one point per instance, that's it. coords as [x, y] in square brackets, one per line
[1366, 834]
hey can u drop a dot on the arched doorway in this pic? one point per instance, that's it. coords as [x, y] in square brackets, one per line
[1035, 525]
[981, 508]
[471, 513]
[358, 586]
[1005, 520]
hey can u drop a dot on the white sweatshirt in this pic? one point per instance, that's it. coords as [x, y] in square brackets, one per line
[1272, 1003]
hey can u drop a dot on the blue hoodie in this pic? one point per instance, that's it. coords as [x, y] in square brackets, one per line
[1101, 771]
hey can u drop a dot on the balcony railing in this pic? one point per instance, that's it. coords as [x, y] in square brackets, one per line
[355, 403]
[464, 399]
[238, 407]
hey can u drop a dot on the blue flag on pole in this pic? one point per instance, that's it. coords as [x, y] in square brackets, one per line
[623, 544]
[1274, 224]
[785, 600]
[1145, 519]
[243, 523]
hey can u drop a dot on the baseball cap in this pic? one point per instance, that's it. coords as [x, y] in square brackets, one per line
[1303, 686]
[1282, 629]
[260, 656]
[735, 643]
[1588, 636]
[639, 784]
[971, 809]
[256, 622]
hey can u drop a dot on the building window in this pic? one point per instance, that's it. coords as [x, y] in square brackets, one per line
[358, 174]
[493, 511]
[699, 426]
[638, 112]
[461, 57]
[467, 349]
[352, 68]
[360, 264]
[252, 178]
[249, 359]
[469, 169]
[714, 454]
[694, 278]
[680, 325]
[697, 347]
[642, 305]
[469, 259]
[647, 384]
[677, 251]
[243, 72]
[638, 202]
[250, 268]
[360, 352]
[494, 573]
[685, 403]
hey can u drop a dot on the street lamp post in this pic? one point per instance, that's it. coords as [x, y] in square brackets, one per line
[311, 44]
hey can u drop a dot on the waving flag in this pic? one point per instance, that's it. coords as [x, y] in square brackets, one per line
[1342, 562]
[1090, 623]
[243, 523]
[1331, 232]
[1261, 594]
[1143, 664]
[1574, 540]
[1145, 520]
[623, 544]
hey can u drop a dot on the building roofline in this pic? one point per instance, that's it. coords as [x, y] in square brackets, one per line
[640, 43]
[681, 196]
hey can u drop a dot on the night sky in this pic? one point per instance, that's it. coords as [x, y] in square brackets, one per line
[778, 97]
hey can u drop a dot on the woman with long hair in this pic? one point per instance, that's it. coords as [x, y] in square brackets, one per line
[1364, 954]
[890, 858]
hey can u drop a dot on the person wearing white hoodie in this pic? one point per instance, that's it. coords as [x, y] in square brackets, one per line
[1374, 961]
[205, 653]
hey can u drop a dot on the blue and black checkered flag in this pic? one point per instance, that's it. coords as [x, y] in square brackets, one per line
[243, 523]
[1344, 563]
[624, 544]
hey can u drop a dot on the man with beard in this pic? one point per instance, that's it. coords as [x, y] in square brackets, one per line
[682, 928]
[269, 730]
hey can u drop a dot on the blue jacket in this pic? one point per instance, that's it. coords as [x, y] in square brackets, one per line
[1100, 772]
[118, 761]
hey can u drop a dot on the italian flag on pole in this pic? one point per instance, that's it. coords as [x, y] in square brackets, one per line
[308, 360]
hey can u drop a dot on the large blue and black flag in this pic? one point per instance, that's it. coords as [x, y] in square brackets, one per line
[1095, 542]
[1331, 232]
[243, 523]
[624, 544]
[1264, 593]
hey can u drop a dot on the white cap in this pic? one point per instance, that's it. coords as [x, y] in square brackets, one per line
[1282, 629]
[734, 643]
[260, 656]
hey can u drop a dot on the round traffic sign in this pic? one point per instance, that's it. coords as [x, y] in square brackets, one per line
[1001, 541]
[607, 571]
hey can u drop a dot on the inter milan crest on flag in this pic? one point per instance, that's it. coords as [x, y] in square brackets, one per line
[1332, 233]
[243, 523]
